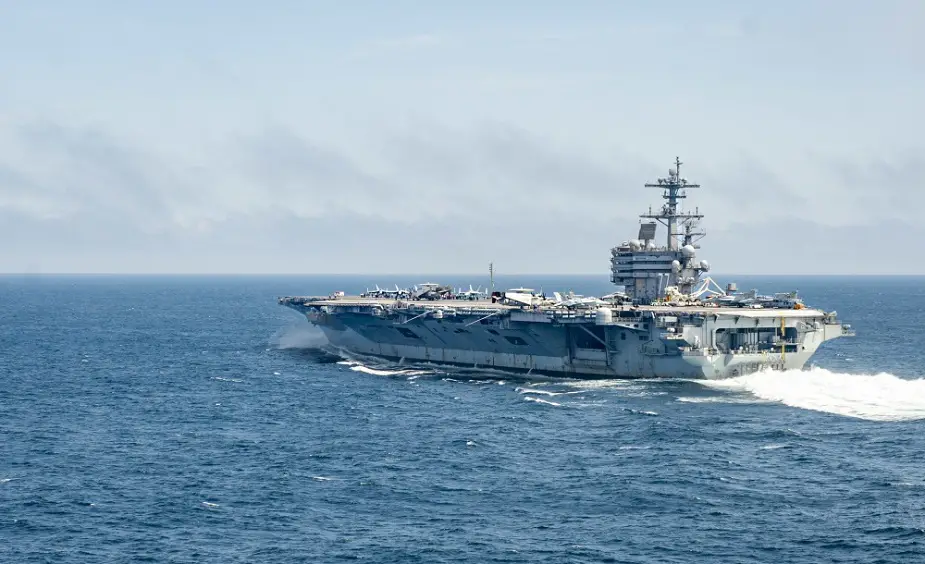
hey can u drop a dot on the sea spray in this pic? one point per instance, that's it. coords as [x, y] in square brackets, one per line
[875, 397]
[298, 337]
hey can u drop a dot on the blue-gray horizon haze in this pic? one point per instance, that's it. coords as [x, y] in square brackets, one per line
[310, 137]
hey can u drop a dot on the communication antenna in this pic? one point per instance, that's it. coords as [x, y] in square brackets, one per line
[491, 276]
[674, 189]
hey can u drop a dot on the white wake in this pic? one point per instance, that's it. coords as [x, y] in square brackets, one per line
[876, 397]
[382, 371]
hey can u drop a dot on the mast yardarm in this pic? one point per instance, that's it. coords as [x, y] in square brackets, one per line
[675, 189]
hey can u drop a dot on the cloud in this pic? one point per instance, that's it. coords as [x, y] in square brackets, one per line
[794, 246]
[350, 243]
[428, 173]
[431, 171]
[881, 188]
[57, 171]
[498, 170]
[394, 46]
[409, 42]
[287, 172]
[426, 198]
[747, 188]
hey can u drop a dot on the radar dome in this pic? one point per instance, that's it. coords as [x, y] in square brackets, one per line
[688, 251]
[650, 245]
[704, 266]
[675, 266]
[635, 244]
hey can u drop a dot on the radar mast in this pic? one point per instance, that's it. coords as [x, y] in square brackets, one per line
[675, 189]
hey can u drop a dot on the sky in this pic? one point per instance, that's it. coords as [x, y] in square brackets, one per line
[411, 136]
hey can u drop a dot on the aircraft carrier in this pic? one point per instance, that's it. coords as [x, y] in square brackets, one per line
[669, 320]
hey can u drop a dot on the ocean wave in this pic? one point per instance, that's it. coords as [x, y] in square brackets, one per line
[539, 400]
[545, 392]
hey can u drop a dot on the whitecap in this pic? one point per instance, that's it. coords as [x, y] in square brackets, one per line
[722, 399]
[600, 384]
[640, 412]
[545, 392]
[583, 404]
[538, 400]
[774, 446]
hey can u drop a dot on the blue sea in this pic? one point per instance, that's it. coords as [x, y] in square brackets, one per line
[192, 419]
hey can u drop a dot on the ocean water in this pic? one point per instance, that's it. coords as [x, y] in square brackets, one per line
[192, 419]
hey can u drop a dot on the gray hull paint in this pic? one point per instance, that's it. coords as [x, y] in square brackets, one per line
[669, 321]
[548, 349]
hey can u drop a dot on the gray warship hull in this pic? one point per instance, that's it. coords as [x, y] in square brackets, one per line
[609, 342]
[670, 320]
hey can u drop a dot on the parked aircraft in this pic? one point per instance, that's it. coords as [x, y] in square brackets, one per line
[471, 294]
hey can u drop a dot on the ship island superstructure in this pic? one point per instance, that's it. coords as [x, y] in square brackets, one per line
[670, 319]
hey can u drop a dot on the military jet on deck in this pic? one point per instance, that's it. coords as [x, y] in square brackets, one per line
[471, 294]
